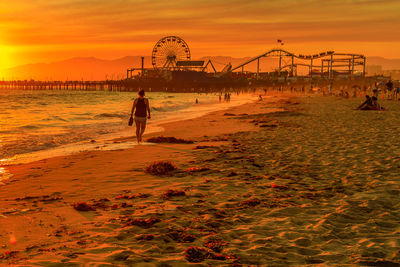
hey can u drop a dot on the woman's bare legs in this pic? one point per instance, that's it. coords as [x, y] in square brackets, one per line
[140, 127]
[138, 130]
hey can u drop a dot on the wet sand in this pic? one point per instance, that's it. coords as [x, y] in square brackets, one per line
[286, 181]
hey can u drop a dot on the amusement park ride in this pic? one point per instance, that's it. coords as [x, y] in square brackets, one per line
[172, 54]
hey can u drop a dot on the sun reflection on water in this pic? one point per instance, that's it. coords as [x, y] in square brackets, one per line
[4, 174]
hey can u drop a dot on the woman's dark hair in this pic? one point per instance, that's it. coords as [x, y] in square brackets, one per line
[141, 92]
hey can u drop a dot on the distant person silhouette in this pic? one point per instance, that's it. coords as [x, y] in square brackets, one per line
[141, 108]
[389, 87]
[367, 103]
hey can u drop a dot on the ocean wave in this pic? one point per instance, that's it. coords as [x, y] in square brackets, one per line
[72, 117]
[54, 118]
[30, 127]
[111, 115]
[31, 143]
[166, 106]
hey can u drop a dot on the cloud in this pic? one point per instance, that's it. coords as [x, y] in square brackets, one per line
[77, 25]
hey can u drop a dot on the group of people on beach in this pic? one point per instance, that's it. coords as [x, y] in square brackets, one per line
[227, 97]
[141, 107]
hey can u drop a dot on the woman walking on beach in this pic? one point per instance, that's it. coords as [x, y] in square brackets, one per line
[141, 108]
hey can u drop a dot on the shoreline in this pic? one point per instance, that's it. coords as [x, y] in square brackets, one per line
[108, 141]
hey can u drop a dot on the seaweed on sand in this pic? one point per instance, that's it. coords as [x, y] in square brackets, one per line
[197, 169]
[160, 168]
[83, 206]
[215, 244]
[145, 223]
[172, 140]
[181, 236]
[196, 254]
[9, 255]
[251, 202]
[173, 193]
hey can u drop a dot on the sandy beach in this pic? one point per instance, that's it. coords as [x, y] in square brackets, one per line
[290, 180]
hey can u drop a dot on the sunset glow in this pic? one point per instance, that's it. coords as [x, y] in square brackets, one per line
[207, 132]
[46, 31]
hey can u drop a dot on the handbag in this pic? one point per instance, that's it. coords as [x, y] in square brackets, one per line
[130, 121]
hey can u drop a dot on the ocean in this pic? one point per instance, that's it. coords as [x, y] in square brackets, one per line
[41, 124]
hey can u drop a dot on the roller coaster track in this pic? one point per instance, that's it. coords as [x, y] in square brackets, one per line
[328, 56]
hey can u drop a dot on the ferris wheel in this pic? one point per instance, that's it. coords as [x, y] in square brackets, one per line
[168, 51]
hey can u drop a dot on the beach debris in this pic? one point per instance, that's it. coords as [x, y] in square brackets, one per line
[64, 230]
[232, 173]
[251, 202]
[219, 139]
[181, 237]
[44, 198]
[253, 178]
[220, 214]
[160, 168]
[73, 255]
[229, 114]
[140, 195]
[219, 257]
[126, 205]
[215, 244]
[197, 169]
[204, 147]
[144, 223]
[269, 125]
[281, 187]
[196, 254]
[125, 197]
[143, 195]
[83, 206]
[81, 242]
[172, 140]
[101, 203]
[173, 193]
[8, 255]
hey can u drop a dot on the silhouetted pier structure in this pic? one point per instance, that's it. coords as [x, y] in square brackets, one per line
[180, 84]
[108, 85]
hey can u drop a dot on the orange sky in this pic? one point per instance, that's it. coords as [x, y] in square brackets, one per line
[51, 30]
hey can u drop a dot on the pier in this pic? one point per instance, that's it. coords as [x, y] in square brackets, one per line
[108, 85]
